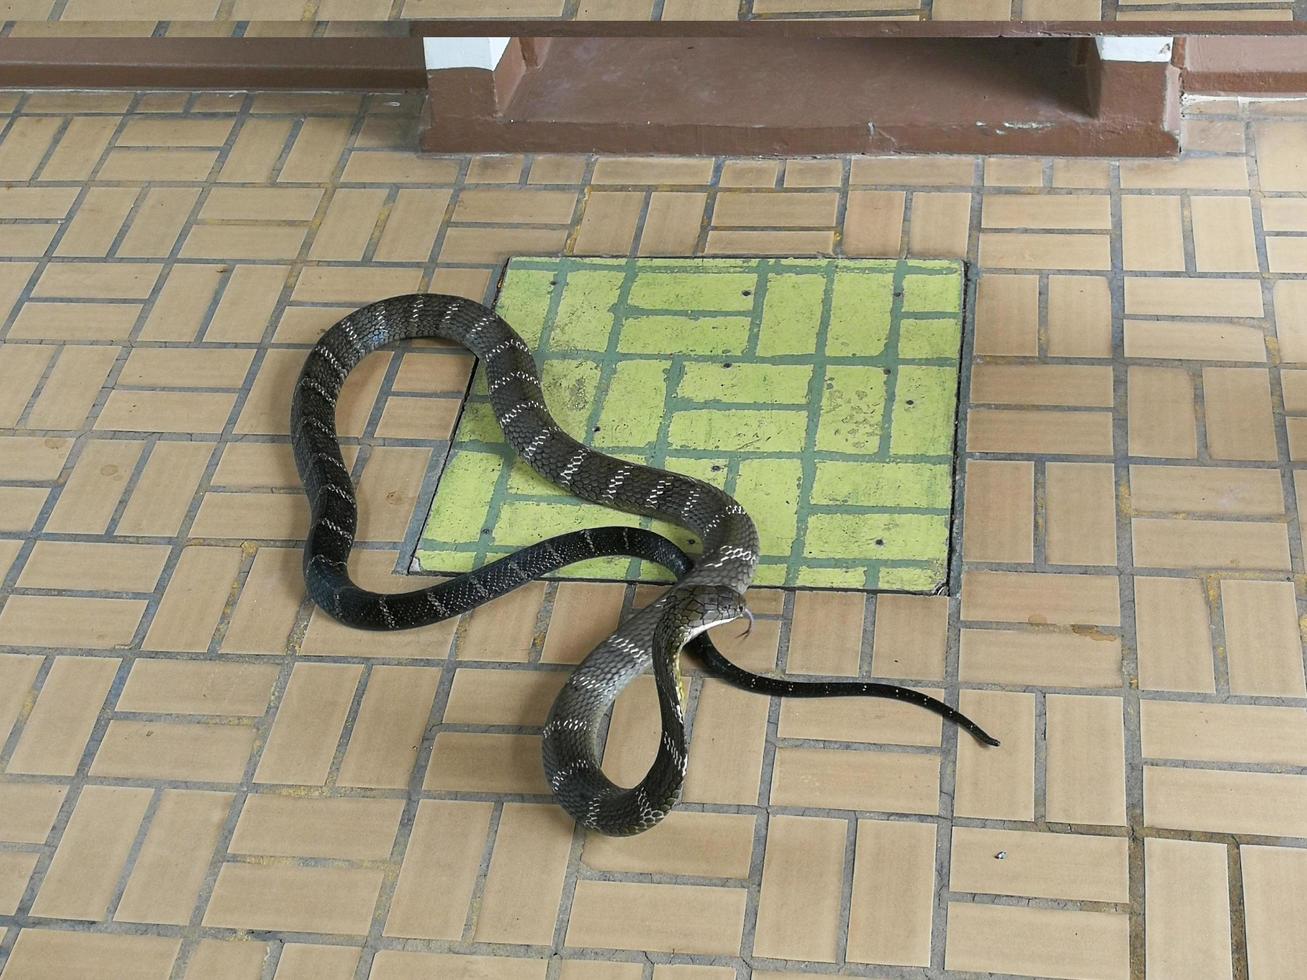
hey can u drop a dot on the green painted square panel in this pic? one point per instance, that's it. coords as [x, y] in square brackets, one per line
[821, 393]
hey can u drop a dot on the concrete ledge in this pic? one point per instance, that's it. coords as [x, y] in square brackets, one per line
[1246, 66]
[788, 96]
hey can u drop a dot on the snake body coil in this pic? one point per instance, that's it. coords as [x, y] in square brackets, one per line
[709, 591]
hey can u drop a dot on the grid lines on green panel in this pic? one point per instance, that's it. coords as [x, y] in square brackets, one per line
[821, 393]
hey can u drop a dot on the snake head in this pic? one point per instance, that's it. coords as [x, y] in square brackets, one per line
[717, 605]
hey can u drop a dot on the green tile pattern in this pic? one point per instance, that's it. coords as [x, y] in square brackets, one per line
[821, 393]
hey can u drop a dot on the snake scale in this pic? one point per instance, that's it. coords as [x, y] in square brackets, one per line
[709, 590]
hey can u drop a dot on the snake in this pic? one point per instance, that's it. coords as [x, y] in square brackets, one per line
[709, 590]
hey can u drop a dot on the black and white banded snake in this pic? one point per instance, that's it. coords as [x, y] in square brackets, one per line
[709, 590]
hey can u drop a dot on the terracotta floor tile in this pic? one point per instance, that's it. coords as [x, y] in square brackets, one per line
[16, 869]
[775, 209]
[308, 723]
[871, 720]
[486, 763]
[53, 954]
[924, 171]
[938, 227]
[1279, 156]
[332, 208]
[708, 845]
[446, 845]
[873, 223]
[1290, 298]
[633, 733]
[1052, 384]
[1023, 657]
[530, 856]
[609, 223]
[1188, 908]
[1152, 233]
[83, 875]
[388, 731]
[165, 884]
[1009, 171]
[1039, 432]
[255, 151]
[1039, 865]
[571, 635]
[1080, 514]
[308, 961]
[165, 489]
[1085, 760]
[1033, 941]
[182, 305]
[387, 491]
[1027, 250]
[843, 779]
[1167, 296]
[911, 636]
[1039, 599]
[1177, 543]
[395, 965]
[1194, 341]
[1273, 897]
[1062, 211]
[660, 171]
[1174, 640]
[28, 811]
[268, 605]
[1007, 315]
[340, 829]
[159, 221]
[826, 636]
[1239, 416]
[730, 730]
[217, 958]
[239, 516]
[505, 629]
[1271, 804]
[1207, 489]
[252, 292]
[1161, 416]
[66, 621]
[190, 608]
[168, 750]
[516, 207]
[1208, 173]
[680, 918]
[190, 687]
[802, 881]
[1222, 732]
[997, 785]
[1263, 641]
[672, 223]
[1223, 234]
[502, 697]
[294, 899]
[23, 367]
[892, 929]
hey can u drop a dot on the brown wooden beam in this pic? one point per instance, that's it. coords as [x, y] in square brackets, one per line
[385, 63]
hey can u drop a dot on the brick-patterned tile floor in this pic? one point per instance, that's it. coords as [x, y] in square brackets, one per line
[200, 776]
[258, 17]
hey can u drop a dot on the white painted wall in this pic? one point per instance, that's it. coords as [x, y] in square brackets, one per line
[1135, 48]
[463, 52]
